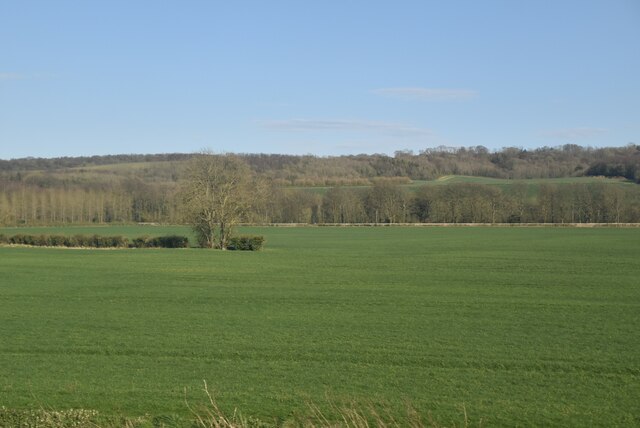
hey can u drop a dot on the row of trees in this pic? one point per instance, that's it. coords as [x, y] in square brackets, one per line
[462, 203]
[383, 202]
[25, 205]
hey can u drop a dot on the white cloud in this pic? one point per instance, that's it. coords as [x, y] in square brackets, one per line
[427, 94]
[389, 128]
[573, 133]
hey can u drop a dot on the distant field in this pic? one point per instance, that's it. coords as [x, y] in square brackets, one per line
[129, 166]
[520, 326]
[165, 172]
[448, 179]
[507, 185]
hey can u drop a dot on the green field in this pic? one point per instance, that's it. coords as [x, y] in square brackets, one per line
[449, 179]
[532, 186]
[521, 326]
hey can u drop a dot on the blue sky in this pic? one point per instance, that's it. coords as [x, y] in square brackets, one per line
[323, 77]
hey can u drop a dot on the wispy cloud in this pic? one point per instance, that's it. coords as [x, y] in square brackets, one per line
[573, 133]
[12, 76]
[427, 94]
[5, 76]
[389, 128]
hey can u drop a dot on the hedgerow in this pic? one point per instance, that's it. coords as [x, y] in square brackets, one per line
[171, 241]
[95, 241]
[246, 243]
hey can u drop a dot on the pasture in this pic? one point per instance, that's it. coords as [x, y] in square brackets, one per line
[517, 326]
[531, 187]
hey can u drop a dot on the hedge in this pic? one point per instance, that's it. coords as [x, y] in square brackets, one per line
[95, 241]
[246, 243]
[240, 243]
[171, 241]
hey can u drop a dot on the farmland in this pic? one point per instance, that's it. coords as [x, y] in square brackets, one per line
[518, 326]
[532, 186]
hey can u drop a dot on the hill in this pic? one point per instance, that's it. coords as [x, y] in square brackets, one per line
[436, 185]
[511, 162]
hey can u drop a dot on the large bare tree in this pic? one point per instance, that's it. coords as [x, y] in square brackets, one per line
[218, 193]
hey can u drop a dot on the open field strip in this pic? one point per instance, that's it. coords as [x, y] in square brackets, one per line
[521, 326]
[508, 185]
[448, 179]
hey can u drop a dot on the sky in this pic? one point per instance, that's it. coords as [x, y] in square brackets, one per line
[81, 78]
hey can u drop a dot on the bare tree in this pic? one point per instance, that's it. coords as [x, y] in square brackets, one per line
[217, 194]
[387, 202]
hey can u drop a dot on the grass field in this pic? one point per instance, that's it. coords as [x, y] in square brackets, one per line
[532, 186]
[521, 326]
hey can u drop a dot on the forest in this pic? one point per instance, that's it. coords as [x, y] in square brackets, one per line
[545, 185]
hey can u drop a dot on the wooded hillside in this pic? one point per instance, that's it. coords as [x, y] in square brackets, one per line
[542, 185]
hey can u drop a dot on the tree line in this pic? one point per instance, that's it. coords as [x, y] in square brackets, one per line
[383, 202]
[127, 202]
[461, 203]
[362, 189]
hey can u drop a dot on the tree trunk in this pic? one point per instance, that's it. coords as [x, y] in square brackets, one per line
[223, 237]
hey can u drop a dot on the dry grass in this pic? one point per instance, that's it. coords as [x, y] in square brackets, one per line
[370, 416]
[209, 415]
[352, 415]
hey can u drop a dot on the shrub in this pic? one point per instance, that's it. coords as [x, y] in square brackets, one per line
[80, 241]
[153, 242]
[96, 241]
[18, 239]
[171, 241]
[116, 241]
[140, 242]
[3, 239]
[57, 240]
[246, 243]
